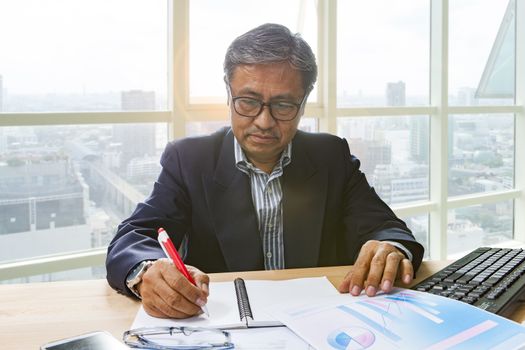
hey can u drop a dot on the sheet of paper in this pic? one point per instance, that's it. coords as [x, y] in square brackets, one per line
[222, 302]
[404, 320]
[269, 338]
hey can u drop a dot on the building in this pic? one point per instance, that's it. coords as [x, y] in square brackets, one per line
[39, 192]
[395, 94]
[395, 186]
[42, 200]
[371, 153]
[419, 139]
[135, 142]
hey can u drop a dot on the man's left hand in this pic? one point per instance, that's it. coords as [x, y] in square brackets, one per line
[377, 267]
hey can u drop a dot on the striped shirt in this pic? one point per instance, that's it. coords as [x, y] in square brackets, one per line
[267, 196]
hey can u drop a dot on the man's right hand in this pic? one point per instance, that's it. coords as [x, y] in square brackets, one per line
[166, 293]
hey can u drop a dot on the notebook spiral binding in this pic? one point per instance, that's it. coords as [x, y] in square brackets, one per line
[243, 302]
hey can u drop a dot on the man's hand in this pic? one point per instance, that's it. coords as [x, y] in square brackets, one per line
[377, 267]
[167, 293]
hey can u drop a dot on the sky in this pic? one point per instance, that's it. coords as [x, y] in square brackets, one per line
[77, 46]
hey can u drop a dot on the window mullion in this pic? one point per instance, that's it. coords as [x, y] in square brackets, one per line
[328, 64]
[438, 128]
[519, 162]
[79, 118]
[179, 34]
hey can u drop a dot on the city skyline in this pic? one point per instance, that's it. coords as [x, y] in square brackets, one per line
[393, 153]
[111, 167]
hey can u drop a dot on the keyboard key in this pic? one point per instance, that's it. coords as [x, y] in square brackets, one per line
[439, 287]
[465, 279]
[474, 294]
[460, 293]
[492, 280]
[469, 299]
[453, 277]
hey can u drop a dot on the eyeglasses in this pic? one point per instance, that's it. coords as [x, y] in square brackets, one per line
[252, 107]
[177, 338]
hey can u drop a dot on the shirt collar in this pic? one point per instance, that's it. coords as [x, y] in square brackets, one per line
[243, 164]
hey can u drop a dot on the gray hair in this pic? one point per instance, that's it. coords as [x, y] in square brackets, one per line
[272, 43]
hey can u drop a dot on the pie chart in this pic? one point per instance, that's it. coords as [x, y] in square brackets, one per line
[351, 338]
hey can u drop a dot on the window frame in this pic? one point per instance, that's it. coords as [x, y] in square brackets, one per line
[180, 111]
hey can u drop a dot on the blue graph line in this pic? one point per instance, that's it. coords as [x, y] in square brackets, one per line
[415, 302]
[370, 322]
[378, 310]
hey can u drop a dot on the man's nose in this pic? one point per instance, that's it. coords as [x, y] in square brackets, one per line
[265, 120]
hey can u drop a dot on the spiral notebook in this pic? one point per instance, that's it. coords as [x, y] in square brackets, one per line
[243, 303]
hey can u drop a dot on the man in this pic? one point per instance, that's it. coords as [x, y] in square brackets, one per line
[260, 195]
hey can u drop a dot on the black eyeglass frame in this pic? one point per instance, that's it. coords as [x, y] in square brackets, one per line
[269, 104]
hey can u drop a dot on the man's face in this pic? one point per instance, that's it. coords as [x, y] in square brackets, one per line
[263, 138]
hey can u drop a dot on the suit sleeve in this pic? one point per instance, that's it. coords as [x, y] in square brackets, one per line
[367, 217]
[168, 206]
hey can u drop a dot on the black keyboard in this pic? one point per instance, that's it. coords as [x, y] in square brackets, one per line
[492, 279]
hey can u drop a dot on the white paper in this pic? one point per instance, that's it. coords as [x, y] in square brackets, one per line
[280, 338]
[404, 319]
[222, 302]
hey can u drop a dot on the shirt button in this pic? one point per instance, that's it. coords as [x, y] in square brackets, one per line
[269, 191]
[270, 225]
[269, 255]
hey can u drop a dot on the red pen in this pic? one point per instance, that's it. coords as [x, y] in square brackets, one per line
[171, 252]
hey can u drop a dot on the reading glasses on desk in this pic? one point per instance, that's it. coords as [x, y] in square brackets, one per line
[178, 338]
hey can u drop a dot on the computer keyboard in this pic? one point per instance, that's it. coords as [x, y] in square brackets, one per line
[492, 279]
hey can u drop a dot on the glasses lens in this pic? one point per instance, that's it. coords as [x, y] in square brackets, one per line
[190, 339]
[284, 110]
[249, 107]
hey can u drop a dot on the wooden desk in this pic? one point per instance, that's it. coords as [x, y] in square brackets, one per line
[36, 313]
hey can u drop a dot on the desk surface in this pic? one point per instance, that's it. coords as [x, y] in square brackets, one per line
[35, 313]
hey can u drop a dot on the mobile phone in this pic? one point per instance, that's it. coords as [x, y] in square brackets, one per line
[99, 340]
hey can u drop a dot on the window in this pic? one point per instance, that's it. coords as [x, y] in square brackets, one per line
[90, 99]
[66, 187]
[383, 58]
[479, 226]
[83, 55]
[481, 52]
[481, 153]
[394, 154]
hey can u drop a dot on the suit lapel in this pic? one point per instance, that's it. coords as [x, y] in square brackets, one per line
[228, 195]
[304, 199]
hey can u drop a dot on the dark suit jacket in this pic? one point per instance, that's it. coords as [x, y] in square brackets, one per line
[329, 209]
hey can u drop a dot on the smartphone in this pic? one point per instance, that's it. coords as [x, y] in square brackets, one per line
[99, 340]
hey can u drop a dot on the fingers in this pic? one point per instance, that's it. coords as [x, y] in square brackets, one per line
[406, 271]
[167, 293]
[344, 287]
[376, 268]
[356, 279]
[389, 271]
[201, 279]
[158, 307]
